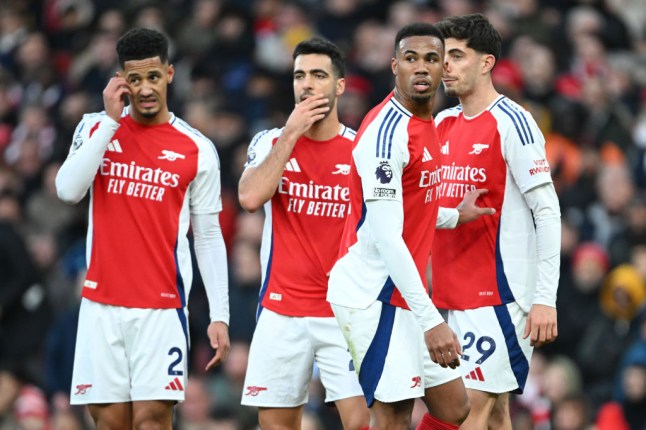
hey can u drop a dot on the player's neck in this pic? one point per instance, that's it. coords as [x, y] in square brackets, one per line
[325, 129]
[420, 109]
[474, 103]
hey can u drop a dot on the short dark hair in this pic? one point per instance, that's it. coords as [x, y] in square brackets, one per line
[141, 43]
[480, 35]
[417, 29]
[319, 45]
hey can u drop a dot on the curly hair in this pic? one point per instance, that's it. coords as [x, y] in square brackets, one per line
[140, 43]
[417, 29]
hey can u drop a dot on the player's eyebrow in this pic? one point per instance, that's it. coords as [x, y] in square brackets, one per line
[311, 71]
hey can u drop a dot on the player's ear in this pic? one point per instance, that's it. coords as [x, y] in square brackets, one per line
[340, 86]
[393, 65]
[488, 62]
[171, 73]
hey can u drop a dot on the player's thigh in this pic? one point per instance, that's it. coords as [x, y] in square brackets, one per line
[495, 357]
[281, 359]
[392, 415]
[449, 401]
[354, 412]
[280, 418]
[157, 345]
[332, 356]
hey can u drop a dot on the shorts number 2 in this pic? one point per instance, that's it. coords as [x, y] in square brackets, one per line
[171, 371]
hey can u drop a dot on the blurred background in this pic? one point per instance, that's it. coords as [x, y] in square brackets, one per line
[578, 65]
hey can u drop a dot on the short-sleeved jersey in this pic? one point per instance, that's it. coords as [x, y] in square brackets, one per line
[150, 180]
[492, 260]
[304, 220]
[396, 156]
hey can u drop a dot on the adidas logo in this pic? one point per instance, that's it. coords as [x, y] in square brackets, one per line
[175, 385]
[475, 375]
[292, 166]
[444, 149]
[114, 146]
[427, 156]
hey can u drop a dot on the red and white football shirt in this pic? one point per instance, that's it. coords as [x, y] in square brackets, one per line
[492, 260]
[396, 156]
[150, 180]
[303, 222]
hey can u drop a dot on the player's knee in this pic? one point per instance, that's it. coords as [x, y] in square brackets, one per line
[154, 419]
[462, 410]
[458, 412]
[152, 423]
[499, 417]
[357, 421]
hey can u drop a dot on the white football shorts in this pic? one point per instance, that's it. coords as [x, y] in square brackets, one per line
[387, 345]
[129, 354]
[495, 357]
[282, 356]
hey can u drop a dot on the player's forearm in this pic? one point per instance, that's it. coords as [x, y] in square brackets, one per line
[211, 256]
[76, 174]
[258, 184]
[547, 218]
[385, 221]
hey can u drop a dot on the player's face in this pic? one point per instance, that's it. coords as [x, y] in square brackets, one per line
[148, 80]
[313, 74]
[418, 68]
[462, 66]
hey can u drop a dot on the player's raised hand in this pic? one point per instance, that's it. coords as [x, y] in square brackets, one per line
[114, 96]
[218, 333]
[541, 325]
[443, 345]
[469, 209]
[306, 113]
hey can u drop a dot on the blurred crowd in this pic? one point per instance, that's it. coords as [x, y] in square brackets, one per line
[578, 65]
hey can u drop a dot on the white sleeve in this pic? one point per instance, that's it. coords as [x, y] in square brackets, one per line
[381, 177]
[524, 147]
[205, 189]
[211, 255]
[385, 219]
[77, 173]
[260, 146]
[447, 218]
[544, 204]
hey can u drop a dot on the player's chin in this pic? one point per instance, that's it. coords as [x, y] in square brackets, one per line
[149, 112]
[451, 91]
[424, 97]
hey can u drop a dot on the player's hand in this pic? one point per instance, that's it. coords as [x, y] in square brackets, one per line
[306, 113]
[468, 208]
[541, 325]
[443, 345]
[114, 96]
[219, 336]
